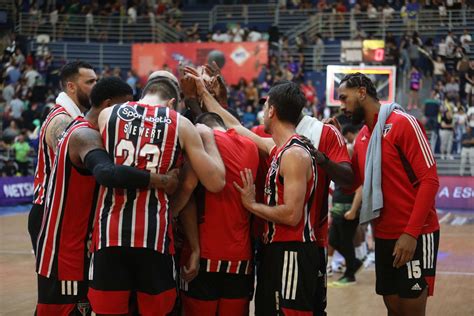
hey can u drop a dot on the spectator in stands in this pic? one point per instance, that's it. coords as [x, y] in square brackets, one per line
[31, 76]
[251, 93]
[341, 10]
[467, 151]
[13, 72]
[237, 33]
[432, 110]
[132, 80]
[465, 37]
[451, 90]
[254, 35]
[192, 32]
[387, 14]
[413, 51]
[412, 11]
[416, 83]
[21, 149]
[8, 92]
[460, 123]
[469, 86]
[217, 36]
[19, 57]
[318, 52]
[446, 134]
[439, 69]
[249, 118]
[443, 49]
[443, 13]
[11, 132]
[17, 107]
[450, 43]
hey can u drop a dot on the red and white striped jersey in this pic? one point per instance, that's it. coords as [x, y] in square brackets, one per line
[62, 250]
[144, 137]
[274, 195]
[45, 157]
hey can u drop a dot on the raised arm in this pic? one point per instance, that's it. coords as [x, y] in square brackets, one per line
[211, 105]
[207, 163]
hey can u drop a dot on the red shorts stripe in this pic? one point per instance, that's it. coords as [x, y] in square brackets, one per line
[431, 284]
[156, 304]
[109, 302]
[192, 306]
[234, 307]
[294, 312]
[54, 309]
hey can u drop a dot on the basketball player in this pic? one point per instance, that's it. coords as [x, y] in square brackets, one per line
[133, 240]
[225, 281]
[77, 80]
[62, 261]
[287, 278]
[333, 164]
[404, 217]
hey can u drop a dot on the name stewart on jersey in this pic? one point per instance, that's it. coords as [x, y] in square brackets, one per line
[145, 137]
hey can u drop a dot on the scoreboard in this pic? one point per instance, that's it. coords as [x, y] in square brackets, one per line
[367, 51]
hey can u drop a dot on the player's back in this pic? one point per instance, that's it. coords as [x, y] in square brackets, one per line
[145, 137]
[225, 224]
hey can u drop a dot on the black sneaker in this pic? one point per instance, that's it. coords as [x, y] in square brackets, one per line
[359, 265]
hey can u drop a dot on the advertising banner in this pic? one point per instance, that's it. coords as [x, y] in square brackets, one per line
[237, 60]
[455, 193]
[16, 190]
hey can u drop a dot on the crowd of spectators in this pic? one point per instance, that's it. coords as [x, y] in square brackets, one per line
[30, 81]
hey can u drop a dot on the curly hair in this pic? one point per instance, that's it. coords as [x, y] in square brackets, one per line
[357, 80]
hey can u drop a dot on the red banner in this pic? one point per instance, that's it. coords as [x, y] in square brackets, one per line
[237, 60]
[455, 193]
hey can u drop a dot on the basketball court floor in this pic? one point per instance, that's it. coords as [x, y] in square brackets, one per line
[454, 292]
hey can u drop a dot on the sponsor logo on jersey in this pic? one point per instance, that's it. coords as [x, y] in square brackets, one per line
[128, 114]
[416, 287]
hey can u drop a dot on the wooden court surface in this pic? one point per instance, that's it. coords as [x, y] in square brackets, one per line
[454, 292]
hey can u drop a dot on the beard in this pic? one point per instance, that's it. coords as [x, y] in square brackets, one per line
[83, 99]
[358, 115]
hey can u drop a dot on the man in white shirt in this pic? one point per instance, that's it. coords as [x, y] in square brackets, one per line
[31, 76]
[254, 35]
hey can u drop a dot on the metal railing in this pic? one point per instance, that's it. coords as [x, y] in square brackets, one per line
[291, 22]
[350, 25]
[118, 29]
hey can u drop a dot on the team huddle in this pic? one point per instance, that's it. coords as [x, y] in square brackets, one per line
[140, 209]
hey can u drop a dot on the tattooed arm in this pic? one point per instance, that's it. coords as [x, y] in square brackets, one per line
[56, 128]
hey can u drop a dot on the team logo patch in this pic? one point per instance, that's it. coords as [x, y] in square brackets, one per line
[83, 308]
[386, 129]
